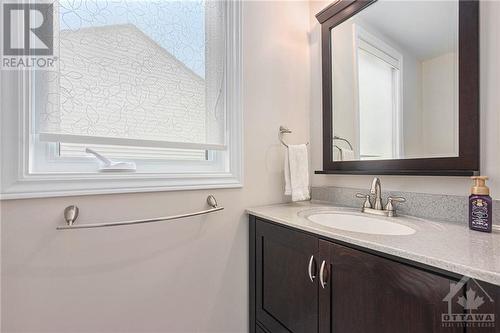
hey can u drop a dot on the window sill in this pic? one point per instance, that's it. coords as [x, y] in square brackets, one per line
[43, 186]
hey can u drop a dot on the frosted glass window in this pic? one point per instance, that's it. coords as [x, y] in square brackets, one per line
[136, 73]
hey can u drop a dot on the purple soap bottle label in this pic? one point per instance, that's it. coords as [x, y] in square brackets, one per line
[480, 213]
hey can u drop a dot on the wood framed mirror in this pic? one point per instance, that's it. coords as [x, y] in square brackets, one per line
[400, 87]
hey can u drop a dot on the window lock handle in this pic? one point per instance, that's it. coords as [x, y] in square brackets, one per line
[108, 165]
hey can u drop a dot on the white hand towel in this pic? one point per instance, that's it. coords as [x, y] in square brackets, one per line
[297, 173]
[346, 154]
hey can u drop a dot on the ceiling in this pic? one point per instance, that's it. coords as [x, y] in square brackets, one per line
[425, 28]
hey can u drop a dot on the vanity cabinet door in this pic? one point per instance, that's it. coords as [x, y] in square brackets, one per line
[366, 293]
[489, 297]
[286, 298]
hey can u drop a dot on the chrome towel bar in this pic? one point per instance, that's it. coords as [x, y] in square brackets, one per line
[71, 214]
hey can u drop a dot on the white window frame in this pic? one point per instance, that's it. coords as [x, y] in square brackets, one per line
[223, 170]
[381, 49]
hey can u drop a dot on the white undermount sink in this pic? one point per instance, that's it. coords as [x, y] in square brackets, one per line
[360, 223]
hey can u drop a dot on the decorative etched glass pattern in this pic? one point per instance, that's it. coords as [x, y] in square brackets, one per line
[136, 71]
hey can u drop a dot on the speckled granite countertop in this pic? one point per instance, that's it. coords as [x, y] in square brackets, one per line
[449, 246]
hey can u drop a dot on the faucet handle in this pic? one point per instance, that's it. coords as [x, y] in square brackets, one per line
[367, 203]
[390, 206]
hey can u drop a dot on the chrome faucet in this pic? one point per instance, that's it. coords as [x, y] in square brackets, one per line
[377, 207]
[377, 190]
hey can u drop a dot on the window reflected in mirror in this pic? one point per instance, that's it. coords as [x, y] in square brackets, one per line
[395, 82]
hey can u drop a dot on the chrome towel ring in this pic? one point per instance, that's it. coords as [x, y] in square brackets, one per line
[284, 130]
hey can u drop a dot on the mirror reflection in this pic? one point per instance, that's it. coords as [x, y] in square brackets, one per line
[395, 82]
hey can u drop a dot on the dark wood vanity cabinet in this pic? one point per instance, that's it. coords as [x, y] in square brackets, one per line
[341, 290]
[287, 298]
[366, 293]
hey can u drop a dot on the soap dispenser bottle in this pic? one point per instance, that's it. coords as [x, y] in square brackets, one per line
[480, 203]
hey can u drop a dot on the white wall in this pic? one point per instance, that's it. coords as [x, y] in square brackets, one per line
[440, 105]
[490, 126]
[345, 120]
[182, 276]
[412, 106]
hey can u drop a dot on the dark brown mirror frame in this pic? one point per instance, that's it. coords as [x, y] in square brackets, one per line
[467, 163]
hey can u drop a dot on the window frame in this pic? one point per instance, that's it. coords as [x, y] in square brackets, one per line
[382, 50]
[219, 172]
